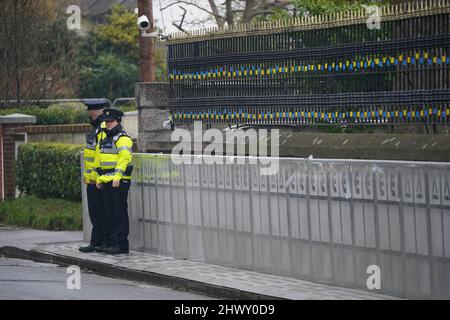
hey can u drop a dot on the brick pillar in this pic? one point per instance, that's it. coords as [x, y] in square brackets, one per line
[8, 162]
[10, 125]
[1, 163]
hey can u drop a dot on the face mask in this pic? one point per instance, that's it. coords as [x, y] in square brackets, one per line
[114, 130]
[97, 121]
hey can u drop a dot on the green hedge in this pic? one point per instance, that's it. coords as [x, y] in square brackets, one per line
[67, 113]
[49, 170]
[55, 114]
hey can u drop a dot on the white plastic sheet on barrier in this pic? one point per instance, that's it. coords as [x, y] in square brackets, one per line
[322, 220]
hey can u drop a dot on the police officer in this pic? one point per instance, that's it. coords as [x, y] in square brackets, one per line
[94, 197]
[114, 169]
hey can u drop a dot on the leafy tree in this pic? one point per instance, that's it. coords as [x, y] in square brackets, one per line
[108, 75]
[316, 7]
[109, 57]
[120, 35]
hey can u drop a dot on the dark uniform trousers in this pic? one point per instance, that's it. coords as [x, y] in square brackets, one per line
[116, 210]
[95, 208]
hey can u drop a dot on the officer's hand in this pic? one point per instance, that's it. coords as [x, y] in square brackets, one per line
[99, 185]
[115, 183]
[85, 180]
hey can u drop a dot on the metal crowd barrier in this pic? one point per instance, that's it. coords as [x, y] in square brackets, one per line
[320, 220]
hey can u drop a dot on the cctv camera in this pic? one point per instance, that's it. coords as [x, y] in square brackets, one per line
[143, 23]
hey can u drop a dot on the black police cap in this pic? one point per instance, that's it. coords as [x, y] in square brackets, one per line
[112, 114]
[96, 104]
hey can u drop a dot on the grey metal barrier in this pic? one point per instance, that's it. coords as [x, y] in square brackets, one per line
[321, 220]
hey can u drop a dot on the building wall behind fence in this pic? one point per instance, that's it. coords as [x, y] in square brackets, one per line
[320, 70]
[65, 133]
[320, 220]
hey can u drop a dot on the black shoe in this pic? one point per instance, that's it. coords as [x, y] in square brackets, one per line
[87, 249]
[115, 250]
[100, 248]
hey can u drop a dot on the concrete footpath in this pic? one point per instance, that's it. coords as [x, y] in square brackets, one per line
[216, 281]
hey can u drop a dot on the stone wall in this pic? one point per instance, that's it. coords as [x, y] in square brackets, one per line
[64, 133]
[130, 123]
[152, 100]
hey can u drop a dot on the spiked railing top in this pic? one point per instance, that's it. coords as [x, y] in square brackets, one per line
[388, 13]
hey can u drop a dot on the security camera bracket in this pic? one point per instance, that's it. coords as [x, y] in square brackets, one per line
[149, 34]
[155, 34]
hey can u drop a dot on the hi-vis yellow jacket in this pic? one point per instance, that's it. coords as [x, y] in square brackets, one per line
[89, 154]
[113, 159]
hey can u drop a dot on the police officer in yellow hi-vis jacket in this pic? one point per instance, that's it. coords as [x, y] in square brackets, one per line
[94, 197]
[114, 170]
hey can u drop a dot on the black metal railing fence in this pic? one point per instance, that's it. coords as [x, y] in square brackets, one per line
[317, 70]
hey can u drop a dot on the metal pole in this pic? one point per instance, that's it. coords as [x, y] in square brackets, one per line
[146, 45]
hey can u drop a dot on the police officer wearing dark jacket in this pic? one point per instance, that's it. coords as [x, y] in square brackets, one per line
[114, 177]
[94, 196]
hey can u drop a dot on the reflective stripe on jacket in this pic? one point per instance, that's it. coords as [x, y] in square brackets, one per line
[114, 157]
[89, 153]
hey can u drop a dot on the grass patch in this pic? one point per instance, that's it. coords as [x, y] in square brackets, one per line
[45, 214]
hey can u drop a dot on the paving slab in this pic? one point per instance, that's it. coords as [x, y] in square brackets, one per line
[194, 276]
[149, 267]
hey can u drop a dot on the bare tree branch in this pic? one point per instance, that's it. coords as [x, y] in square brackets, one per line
[232, 11]
[35, 56]
[254, 8]
[229, 16]
[219, 19]
[191, 4]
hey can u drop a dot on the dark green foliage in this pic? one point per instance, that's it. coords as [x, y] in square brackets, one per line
[49, 170]
[51, 115]
[108, 57]
[316, 7]
[108, 75]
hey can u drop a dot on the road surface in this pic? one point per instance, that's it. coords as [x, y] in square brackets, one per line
[23, 279]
